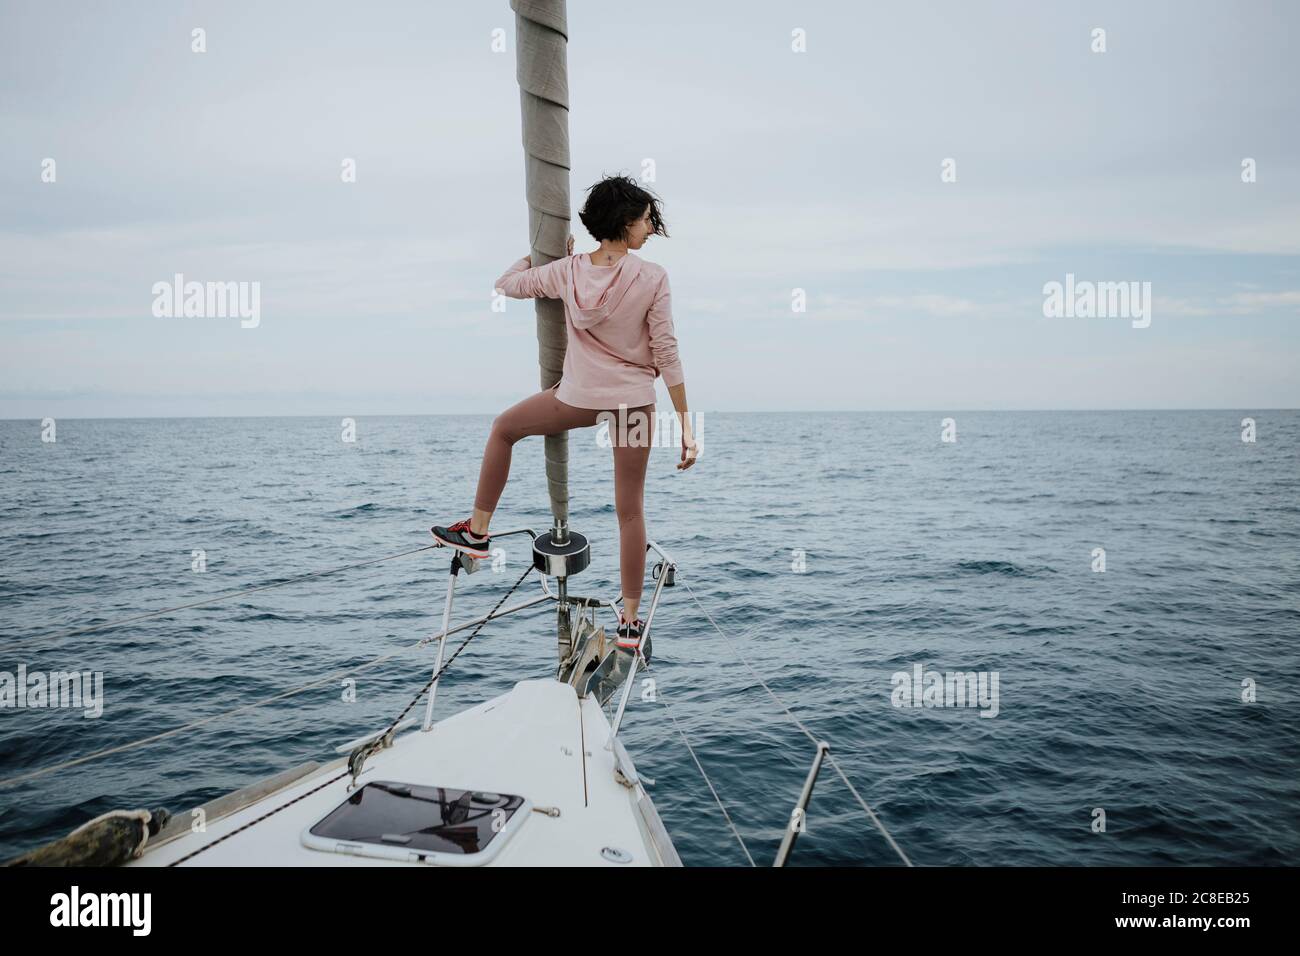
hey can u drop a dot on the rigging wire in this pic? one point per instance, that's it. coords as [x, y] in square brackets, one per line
[830, 756]
[30, 775]
[717, 799]
[373, 744]
[216, 599]
[330, 678]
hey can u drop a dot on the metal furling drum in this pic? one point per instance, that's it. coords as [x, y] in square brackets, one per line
[560, 552]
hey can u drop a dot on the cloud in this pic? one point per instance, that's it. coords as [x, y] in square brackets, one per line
[1239, 303]
[1244, 303]
[818, 171]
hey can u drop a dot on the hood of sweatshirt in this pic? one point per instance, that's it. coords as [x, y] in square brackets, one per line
[598, 290]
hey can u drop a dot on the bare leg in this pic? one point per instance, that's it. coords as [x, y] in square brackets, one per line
[630, 462]
[539, 414]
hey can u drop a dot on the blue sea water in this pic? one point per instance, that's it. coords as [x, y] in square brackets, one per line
[836, 549]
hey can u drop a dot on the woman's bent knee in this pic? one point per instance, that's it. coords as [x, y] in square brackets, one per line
[502, 430]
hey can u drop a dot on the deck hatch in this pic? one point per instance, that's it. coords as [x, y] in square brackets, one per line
[403, 821]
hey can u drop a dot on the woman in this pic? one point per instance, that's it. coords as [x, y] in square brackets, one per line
[618, 313]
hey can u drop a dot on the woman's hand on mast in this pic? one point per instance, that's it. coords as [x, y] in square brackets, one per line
[569, 251]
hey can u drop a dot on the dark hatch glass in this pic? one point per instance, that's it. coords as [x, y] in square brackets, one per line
[436, 819]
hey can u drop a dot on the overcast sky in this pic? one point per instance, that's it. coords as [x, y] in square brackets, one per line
[780, 170]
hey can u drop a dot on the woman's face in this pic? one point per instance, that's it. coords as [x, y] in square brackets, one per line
[640, 230]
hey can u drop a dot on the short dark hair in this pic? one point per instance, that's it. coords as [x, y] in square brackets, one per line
[616, 202]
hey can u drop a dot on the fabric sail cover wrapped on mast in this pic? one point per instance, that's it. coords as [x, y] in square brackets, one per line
[541, 41]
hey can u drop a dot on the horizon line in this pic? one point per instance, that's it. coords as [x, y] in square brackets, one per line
[792, 411]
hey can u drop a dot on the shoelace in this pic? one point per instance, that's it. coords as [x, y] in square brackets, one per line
[625, 631]
[464, 526]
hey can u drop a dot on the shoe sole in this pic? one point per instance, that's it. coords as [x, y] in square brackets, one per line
[461, 547]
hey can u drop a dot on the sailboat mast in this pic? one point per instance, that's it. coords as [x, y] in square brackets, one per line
[541, 66]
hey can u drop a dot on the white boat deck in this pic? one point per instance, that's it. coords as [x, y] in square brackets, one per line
[538, 741]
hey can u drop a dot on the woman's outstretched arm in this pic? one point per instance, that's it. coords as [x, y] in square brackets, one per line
[522, 281]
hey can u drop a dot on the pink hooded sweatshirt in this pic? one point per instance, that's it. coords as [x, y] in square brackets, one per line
[620, 323]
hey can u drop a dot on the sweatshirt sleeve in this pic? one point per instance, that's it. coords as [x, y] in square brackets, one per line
[541, 282]
[663, 338]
